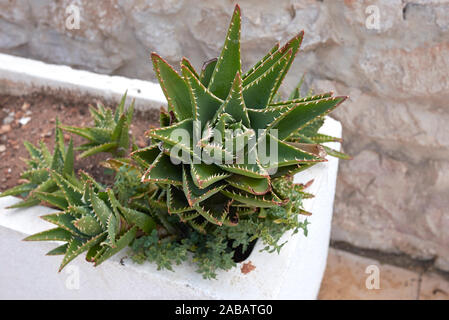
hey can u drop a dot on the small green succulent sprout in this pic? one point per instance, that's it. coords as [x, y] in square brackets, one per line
[206, 153]
[110, 133]
[37, 177]
[91, 219]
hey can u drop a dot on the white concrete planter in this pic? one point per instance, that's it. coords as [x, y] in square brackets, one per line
[25, 271]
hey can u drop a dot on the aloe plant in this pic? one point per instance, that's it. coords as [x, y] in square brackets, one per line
[110, 133]
[91, 219]
[36, 175]
[222, 98]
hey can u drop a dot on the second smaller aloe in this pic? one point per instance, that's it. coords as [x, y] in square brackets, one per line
[36, 177]
[110, 133]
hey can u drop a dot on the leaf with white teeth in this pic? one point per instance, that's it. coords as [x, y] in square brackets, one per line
[56, 234]
[203, 175]
[162, 170]
[174, 88]
[251, 185]
[63, 220]
[301, 114]
[205, 103]
[77, 246]
[207, 70]
[176, 201]
[234, 104]
[228, 63]
[61, 250]
[194, 194]
[171, 134]
[260, 62]
[257, 93]
[88, 225]
[262, 201]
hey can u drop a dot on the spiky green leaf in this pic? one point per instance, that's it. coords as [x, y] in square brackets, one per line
[174, 88]
[228, 63]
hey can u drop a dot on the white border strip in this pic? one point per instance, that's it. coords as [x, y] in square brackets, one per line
[23, 76]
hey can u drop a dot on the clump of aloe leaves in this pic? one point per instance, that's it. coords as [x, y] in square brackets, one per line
[189, 209]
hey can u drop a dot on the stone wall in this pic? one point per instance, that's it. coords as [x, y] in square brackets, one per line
[394, 195]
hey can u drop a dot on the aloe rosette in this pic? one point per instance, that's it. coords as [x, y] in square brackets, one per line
[244, 110]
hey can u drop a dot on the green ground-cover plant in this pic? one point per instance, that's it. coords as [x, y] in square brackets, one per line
[169, 202]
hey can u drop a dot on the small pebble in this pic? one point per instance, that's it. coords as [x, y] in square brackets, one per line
[25, 106]
[141, 143]
[2, 148]
[23, 121]
[5, 128]
[9, 118]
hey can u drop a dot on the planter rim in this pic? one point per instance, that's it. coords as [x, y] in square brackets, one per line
[19, 76]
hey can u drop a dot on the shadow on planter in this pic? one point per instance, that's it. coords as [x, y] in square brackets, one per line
[239, 254]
